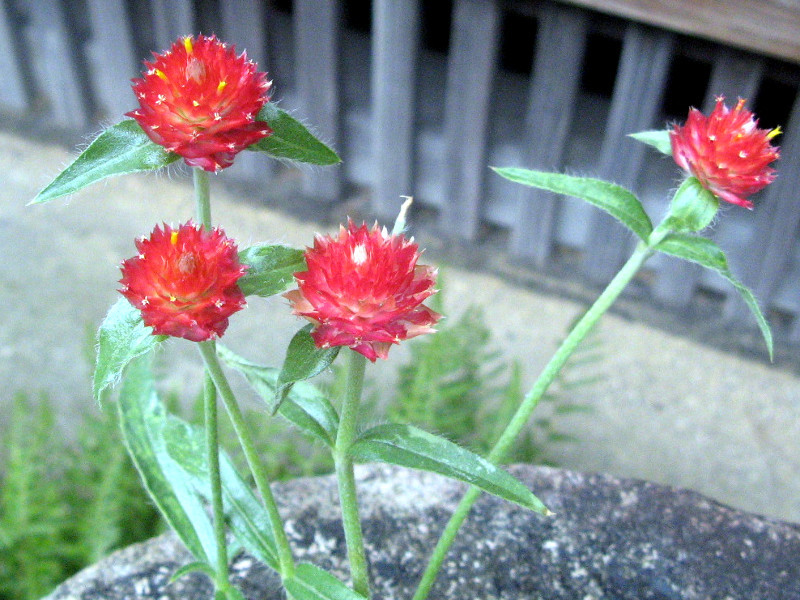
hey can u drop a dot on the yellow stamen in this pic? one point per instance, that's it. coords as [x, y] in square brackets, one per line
[160, 73]
[172, 298]
[187, 43]
[774, 133]
[221, 86]
[195, 103]
[173, 238]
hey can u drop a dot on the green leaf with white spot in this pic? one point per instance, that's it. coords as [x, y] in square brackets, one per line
[411, 447]
[122, 148]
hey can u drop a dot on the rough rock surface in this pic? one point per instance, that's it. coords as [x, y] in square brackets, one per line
[610, 538]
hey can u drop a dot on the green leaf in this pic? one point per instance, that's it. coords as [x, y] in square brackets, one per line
[121, 338]
[312, 583]
[303, 361]
[657, 139]
[412, 447]
[620, 203]
[305, 405]
[193, 567]
[143, 419]
[704, 252]
[291, 140]
[122, 148]
[248, 519]
[271, 268]
[692, 209]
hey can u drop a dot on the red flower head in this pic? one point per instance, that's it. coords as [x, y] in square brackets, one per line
[726, 151]
[200, 100]
[364, 290]
[184, 281]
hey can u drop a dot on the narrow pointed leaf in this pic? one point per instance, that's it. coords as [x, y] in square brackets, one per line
[122, 148]
[706, 253]
[270, 269]
[303, 361]
[248, 519]
[143, 419]
[291, 140]
[192, 567]
[305, 405]
[408, 446]
[620, 203]
[312, 583]
[657, 139]
[121, 338]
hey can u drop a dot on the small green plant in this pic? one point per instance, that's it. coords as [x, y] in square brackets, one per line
[64, 506]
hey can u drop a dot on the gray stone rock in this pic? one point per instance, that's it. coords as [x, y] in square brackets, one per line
[610, 538]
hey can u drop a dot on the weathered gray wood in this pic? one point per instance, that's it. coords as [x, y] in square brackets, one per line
[734, 75]
[316, 47]
[560, 45]
[172, 19]
[395, 33]
[638, 91]
[13, 95]
[55, 64]
[111, 58]
[474, 38]
[244, 23]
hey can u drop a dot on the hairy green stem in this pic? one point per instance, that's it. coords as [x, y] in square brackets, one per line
[209, 353]
[529, 403]
[348, 499]
[212, 456]
[202, 197]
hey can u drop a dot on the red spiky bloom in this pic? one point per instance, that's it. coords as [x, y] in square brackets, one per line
[364, 289]
[200, 100]
[184, 281]
[726, 151]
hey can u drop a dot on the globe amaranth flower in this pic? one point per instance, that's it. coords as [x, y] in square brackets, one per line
[364, 289]
[184, 281]
[200, 101]
[726, 151]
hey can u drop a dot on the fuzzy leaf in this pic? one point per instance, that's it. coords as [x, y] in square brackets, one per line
[620, 203]
[247, 517]
[271, 269]
[706, 253]
[122, 148]
[143, 419]
[291, 140]
[657, 139]
[303, 361]
[312, 583]
[121, 338]
[408, 446]
[305, 405]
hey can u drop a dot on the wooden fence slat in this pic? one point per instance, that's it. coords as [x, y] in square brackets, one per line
[734, 75]
[111, 57]
[13, 96]
[474, 38]
[316, 44]
[560, 45]
[172, 19]
[775, 234]
[244, 23]
[395, 42]
[55, 64]
[641, 78]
